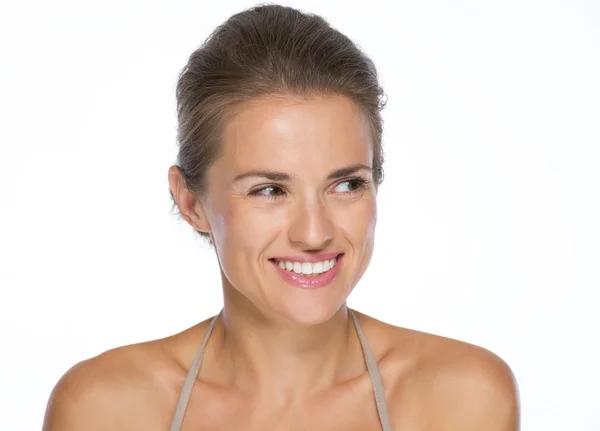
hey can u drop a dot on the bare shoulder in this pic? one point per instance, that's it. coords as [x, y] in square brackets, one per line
[442, 383]
[471, 388]
[125, 388]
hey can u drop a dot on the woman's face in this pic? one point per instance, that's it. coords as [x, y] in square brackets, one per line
[291, 204]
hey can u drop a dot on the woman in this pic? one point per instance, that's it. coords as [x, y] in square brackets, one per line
[279, 164]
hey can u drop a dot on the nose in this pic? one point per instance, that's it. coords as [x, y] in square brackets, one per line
[312, 226]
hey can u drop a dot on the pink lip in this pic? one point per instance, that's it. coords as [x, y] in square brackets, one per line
[308, 257]
[313, 281]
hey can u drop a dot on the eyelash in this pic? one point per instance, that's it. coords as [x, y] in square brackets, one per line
[361, 184]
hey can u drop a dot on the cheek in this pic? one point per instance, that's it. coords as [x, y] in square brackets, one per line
[242, 232]
[364, 241]
[243, 227]
[358, 222]
[229, 237]
[357, 225]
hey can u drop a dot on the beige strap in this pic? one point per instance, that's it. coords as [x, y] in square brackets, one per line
[373, 370]
[370, 361]
[190, 379]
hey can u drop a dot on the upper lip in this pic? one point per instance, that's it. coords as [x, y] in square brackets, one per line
[308, 257]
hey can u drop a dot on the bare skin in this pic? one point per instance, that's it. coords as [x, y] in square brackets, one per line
[282, 357]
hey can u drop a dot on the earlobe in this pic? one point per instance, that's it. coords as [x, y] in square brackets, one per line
[200, 223]
[188, 202]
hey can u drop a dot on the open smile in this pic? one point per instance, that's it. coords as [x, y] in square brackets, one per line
[309, 271]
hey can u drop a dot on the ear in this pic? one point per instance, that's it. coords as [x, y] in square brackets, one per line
[188, 203]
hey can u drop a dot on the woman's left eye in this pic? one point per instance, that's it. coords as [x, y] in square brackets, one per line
[350, 186]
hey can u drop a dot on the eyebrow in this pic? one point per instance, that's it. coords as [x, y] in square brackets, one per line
[344, 172]
[282, 176]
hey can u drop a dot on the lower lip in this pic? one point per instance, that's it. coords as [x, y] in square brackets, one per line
[313, 281]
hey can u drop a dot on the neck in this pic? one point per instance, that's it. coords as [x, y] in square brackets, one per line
[282, 360]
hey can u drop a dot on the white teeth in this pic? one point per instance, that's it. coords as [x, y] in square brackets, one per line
[317, 267]
[307, 268]
[297, 267]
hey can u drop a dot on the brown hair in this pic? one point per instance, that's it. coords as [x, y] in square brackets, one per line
[262, 51]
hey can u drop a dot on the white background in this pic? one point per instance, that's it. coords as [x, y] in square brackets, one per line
[489, 213]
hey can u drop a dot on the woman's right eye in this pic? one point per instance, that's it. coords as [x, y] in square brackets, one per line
[269, 192]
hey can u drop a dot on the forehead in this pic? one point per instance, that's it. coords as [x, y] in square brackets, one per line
[297, 134]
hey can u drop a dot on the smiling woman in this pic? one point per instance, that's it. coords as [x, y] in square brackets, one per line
[279, 164]
[318, 207]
